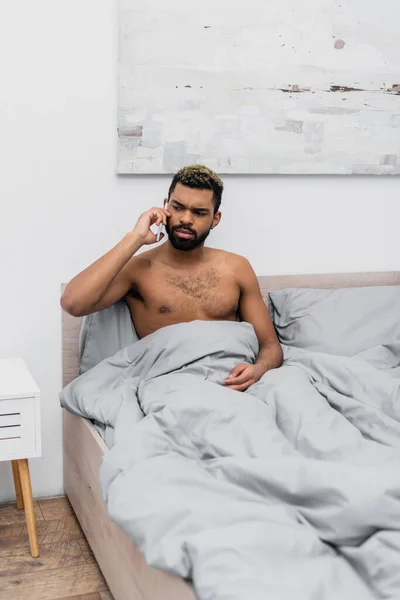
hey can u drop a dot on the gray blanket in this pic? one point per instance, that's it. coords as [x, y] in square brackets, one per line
[291, 490]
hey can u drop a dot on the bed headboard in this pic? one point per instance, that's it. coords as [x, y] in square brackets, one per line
[71, 325]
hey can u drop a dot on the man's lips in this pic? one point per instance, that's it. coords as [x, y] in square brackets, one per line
[181, 233]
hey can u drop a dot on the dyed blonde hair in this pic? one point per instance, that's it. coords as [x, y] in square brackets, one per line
[201, 178]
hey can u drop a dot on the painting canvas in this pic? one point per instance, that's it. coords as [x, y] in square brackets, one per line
[259, 86]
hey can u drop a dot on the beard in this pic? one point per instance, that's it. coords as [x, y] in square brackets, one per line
[188, 244]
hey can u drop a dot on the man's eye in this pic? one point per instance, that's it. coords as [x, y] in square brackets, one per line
[177, 208]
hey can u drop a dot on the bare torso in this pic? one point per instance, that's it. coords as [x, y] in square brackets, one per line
[165, 294]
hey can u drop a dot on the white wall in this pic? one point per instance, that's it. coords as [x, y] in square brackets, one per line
[62, 204]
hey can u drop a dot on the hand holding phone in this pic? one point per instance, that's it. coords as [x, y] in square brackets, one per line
[155, 216]
[161, 226]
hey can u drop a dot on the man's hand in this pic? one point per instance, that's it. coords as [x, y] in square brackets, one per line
[154, 216]
[243, 376]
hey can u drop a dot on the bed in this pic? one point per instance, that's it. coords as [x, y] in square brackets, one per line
[126, 572]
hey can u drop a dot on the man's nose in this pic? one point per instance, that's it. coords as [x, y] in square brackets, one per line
[186, 217]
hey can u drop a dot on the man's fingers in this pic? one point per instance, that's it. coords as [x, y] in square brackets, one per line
[161, 220]
[242, 378]
[165, 215]
[237, 370]
[240, 388]
[236, 373]
[237, 380]
[240, 383]
[158, 215]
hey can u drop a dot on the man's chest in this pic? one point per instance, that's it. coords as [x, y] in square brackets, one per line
[209, 291]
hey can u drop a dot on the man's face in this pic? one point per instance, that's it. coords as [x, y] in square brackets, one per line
[192, 217]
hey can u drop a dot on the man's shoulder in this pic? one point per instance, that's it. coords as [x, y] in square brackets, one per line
[230, 258]
[139, 265]
[144, 259]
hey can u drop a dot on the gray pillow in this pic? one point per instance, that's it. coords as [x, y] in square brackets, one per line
[341, 321]
[104, 333]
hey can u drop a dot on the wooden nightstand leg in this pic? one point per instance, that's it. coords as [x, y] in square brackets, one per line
[17, 485]
[29, 508]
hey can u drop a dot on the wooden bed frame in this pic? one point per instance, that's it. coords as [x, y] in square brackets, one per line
[127, 574]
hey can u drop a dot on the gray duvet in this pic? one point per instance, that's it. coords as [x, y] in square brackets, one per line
[288, 491]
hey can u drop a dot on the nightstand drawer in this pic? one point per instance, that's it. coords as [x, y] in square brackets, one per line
[10, 433]
[17, 427]
[11, 420]
[10, 447]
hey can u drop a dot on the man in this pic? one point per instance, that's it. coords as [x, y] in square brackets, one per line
[181, 280]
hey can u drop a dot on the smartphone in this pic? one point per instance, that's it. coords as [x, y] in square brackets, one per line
[160, 228]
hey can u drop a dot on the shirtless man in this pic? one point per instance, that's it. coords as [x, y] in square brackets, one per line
[180, 280]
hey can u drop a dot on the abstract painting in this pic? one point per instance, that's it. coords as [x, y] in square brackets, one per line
[261, 87]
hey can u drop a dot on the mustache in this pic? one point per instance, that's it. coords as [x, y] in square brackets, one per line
[184, 228]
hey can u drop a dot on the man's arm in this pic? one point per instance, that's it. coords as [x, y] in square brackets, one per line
[252, 309]
[109, 278]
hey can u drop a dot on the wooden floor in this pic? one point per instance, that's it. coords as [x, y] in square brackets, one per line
[66, 568]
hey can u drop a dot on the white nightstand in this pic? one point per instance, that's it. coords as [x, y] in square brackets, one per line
[20, 433]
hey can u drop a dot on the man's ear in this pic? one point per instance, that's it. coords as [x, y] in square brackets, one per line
[216, 219]
[166, 200]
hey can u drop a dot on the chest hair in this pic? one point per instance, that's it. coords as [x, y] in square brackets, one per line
[197, 286]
